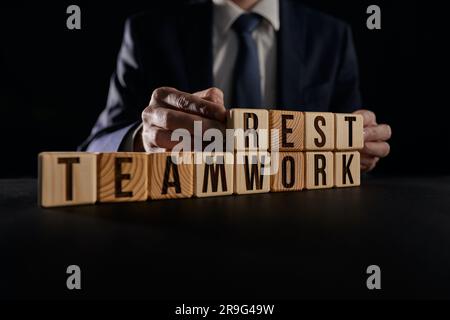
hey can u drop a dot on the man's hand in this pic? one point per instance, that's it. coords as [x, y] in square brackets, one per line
[170, 109]
[375, 137]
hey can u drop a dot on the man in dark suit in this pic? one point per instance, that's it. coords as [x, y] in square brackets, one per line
[249, 53]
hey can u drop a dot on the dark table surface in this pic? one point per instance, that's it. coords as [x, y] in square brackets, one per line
[309, 244]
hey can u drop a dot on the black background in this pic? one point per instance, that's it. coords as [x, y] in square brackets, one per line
[54, 81]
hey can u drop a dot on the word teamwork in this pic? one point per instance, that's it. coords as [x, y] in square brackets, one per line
[307, 150]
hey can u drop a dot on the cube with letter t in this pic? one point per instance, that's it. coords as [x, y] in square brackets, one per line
[349, 131]
[67, 178]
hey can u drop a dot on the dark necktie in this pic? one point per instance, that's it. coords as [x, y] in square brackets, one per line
[247, 81]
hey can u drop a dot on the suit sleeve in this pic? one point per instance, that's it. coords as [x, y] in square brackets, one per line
[346, 96]
[126, 100]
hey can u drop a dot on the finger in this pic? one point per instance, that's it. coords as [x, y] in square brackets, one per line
[376, 149]
[368, 116]
[212, 94]
[154, 137]
[155, 149]
[363, 168]
[380, 132]
[189, 103]
[368, 168]
[170, 119]
[369, 161]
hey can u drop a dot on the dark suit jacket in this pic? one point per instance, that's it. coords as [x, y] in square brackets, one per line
[317, 67]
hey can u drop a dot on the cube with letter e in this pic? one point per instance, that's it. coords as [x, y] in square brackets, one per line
[287, 130]
[122, 177]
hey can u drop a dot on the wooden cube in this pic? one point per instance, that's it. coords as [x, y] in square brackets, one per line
[67, 178]
[290, 171]
[287, 130]
[251, 128]
[122, 177]
[213, 174]
[319, 131]
[319, 170]
[347, 172]
[171, 175]
[349, 131]
[252, 172]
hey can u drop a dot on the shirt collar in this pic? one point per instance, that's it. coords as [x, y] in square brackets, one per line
[226, 12]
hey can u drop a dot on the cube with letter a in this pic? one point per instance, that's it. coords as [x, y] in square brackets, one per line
[171, 175]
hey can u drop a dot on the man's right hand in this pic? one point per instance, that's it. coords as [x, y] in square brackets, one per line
[170, 109]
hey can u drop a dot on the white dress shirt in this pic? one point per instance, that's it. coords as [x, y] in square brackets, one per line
[226, 45]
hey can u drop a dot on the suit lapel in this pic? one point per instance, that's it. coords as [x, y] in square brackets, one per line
[196, 37]
[291, 43]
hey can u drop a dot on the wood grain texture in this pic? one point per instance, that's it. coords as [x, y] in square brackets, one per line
[170, 179]
[319, 170]
[319, 131]
[67, 178]
[290, 171]
[290, 130]
[249, 176]
[243, 119]
[347, 172]
[213, 174]
[122, 177]
[349, 131]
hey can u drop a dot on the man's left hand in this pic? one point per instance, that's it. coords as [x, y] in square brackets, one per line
[375, 140]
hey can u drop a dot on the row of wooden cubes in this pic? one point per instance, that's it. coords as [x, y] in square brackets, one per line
[72, 178]
[299, 131]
